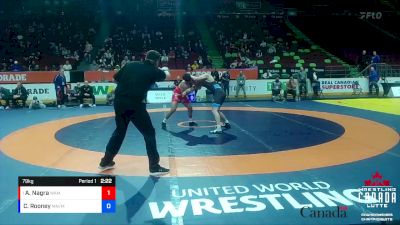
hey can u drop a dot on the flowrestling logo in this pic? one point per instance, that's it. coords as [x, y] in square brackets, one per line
[371, 15]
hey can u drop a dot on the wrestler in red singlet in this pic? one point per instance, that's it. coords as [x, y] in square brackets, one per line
[180, 95]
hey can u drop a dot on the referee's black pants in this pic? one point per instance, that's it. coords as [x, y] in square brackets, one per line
[225, 86]
[141, 119]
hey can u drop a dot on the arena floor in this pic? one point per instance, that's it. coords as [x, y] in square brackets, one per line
[276, 159]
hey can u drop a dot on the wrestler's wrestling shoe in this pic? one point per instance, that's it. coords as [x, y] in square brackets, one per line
[106, 165]
[216, 131]
[226, 126]
[163, 125]
[192, 124]
[158, 171]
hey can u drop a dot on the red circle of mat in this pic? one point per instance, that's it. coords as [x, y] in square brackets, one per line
[181, 124]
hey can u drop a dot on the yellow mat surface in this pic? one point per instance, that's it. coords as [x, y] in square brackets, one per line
[385, 105]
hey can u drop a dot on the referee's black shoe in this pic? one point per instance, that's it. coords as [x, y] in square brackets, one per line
[158, 171]
[104, 165]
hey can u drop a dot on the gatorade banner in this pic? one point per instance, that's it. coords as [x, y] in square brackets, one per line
[27, 77]
[44, 92]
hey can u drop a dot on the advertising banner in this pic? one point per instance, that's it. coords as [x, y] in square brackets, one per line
[270, 73]
[254, 88]
[250, 73]
[175, 74]
[27, 77]
[394, 92]
[343, 85]
[100, 91]
[106, 76]
[44, 92]
[159, 96]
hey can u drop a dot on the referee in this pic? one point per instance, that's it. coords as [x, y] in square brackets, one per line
[133, 82]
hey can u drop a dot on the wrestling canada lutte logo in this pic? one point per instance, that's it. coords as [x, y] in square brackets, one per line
[380, 194]
[379, 191]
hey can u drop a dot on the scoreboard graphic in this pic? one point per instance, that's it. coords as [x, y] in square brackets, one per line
[66, 194]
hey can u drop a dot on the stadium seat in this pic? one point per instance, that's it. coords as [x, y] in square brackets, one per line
[298, 65]
[277, 65]
[328, 61]
[300, 61]
[284, 76]
[260, 62]
[296, 57]
[313, 65]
